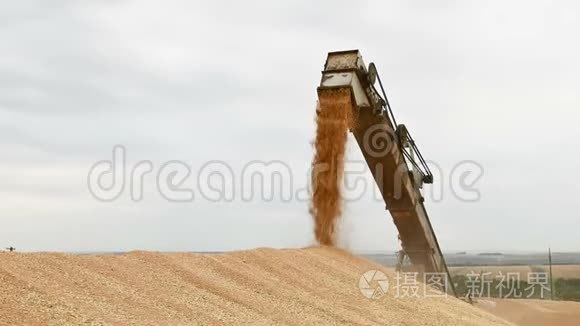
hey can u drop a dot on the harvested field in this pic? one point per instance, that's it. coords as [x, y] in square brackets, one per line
[264, 286]
[565, 271]
[527, 312]
[558, 271]
[495, 271]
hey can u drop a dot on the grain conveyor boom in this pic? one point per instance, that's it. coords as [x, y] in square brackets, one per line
[392, 156]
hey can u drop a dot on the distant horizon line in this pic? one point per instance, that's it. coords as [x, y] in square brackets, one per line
[354, 251]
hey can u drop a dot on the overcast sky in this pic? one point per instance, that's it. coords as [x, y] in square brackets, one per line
[496, 82]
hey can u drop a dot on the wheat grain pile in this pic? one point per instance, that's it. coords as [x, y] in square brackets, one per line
[314, 286]
[332, 123]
